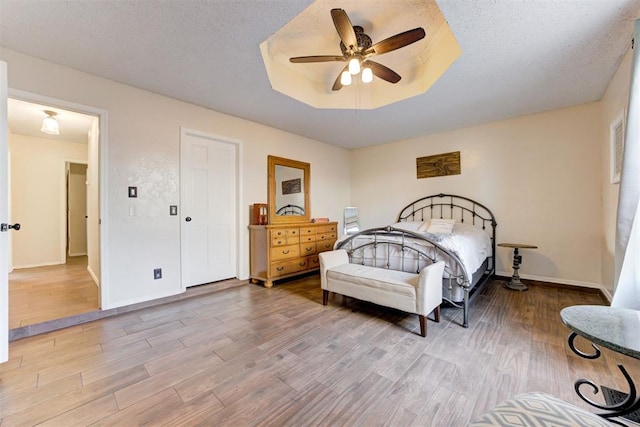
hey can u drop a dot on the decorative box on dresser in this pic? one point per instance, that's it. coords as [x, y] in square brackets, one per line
[278, 251]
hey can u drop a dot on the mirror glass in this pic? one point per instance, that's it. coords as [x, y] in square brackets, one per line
[288, 190]
[351, 221]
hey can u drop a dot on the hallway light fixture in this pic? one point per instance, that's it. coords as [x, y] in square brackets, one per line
[50, 124]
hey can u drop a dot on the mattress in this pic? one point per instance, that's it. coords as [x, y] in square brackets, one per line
[470, 245]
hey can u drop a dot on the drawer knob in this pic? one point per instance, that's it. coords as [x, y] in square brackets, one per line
[279, 268]
[285, 252]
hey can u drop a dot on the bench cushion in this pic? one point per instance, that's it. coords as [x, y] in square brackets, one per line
[390, 280]
[391, 288]
[538, 409]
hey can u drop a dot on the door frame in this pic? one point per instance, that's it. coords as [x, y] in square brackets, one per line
[103, 127]
[64, 220]
[239, 173]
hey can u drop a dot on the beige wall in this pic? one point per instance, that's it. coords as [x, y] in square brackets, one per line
[143, 132]
[540, 175]
[543, 176]
[38, 168]
[614, 102]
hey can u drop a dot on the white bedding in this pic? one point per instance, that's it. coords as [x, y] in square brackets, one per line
[471, 244]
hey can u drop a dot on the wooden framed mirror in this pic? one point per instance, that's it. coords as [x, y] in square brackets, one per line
[288, 187]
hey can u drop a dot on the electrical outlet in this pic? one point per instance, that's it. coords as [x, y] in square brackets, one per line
[173, 210]
[157, 273]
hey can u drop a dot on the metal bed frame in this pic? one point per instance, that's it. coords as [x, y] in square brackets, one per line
[375, 246]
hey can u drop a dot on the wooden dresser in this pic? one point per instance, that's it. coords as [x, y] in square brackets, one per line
[285, 250]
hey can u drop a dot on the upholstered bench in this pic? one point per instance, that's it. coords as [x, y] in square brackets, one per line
[420, 293]
[538, 409]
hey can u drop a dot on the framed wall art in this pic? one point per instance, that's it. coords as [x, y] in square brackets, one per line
[438, 165]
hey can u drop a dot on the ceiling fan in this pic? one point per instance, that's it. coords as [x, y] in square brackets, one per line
[357, 49]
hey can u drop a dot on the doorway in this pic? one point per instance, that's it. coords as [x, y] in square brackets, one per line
[54, 194]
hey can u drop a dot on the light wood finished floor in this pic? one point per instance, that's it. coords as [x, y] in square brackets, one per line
[255, 356]
[53, 292]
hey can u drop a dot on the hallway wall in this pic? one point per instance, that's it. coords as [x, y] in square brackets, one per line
[37, 198]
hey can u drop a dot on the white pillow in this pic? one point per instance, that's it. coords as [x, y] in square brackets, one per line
[408, 225]
[440, 226]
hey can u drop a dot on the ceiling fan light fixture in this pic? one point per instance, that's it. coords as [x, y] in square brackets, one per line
[354, 66]
[345, 78]
[50, 124]
[367, 75]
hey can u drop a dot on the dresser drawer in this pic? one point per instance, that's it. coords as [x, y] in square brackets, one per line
[306, 238]
[313, 261]
[326, 236]
[326, 245]
[307, 248]
[326, 229]
[284, 252]
[282, 233]
[308, 231]
[287, 267]
[288, 240]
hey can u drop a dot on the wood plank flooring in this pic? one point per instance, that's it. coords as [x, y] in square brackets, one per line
[52, 292]
[255, 356]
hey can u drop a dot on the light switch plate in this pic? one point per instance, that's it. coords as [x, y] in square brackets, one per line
[173, 210]
[133, 191]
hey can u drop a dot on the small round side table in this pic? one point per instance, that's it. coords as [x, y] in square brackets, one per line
[515, 282]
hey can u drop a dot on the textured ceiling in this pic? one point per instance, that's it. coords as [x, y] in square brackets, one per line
[518, 57]
[419, 64]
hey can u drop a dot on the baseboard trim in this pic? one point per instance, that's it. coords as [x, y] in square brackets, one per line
[572, 287]
[93, 275]
[78, 319]
[45, 264]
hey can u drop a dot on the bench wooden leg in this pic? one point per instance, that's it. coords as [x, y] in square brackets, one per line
[436, 314]
[325, 297]
[423, 325]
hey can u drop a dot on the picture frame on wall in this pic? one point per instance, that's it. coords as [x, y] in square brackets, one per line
[616, 138]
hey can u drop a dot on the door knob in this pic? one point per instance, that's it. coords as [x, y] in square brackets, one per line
[188, 219]
[5, 227]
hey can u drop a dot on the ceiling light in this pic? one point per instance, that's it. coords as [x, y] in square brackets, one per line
[50, 124]
[345, 78]
[367, 75]
[354, 66]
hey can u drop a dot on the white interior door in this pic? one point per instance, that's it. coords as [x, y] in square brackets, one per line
[208, 188]
[4, 219]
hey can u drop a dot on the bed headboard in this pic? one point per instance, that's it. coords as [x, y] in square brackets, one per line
[450, 206]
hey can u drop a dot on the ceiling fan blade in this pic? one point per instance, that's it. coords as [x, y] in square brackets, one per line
[383, 72]
[337, 85]
[345, 29]
[396, 42]
[316, 58]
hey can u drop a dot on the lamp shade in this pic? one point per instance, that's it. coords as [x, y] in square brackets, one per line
[367, 75]
[345, 78]
[354, 66]
[50, 124]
